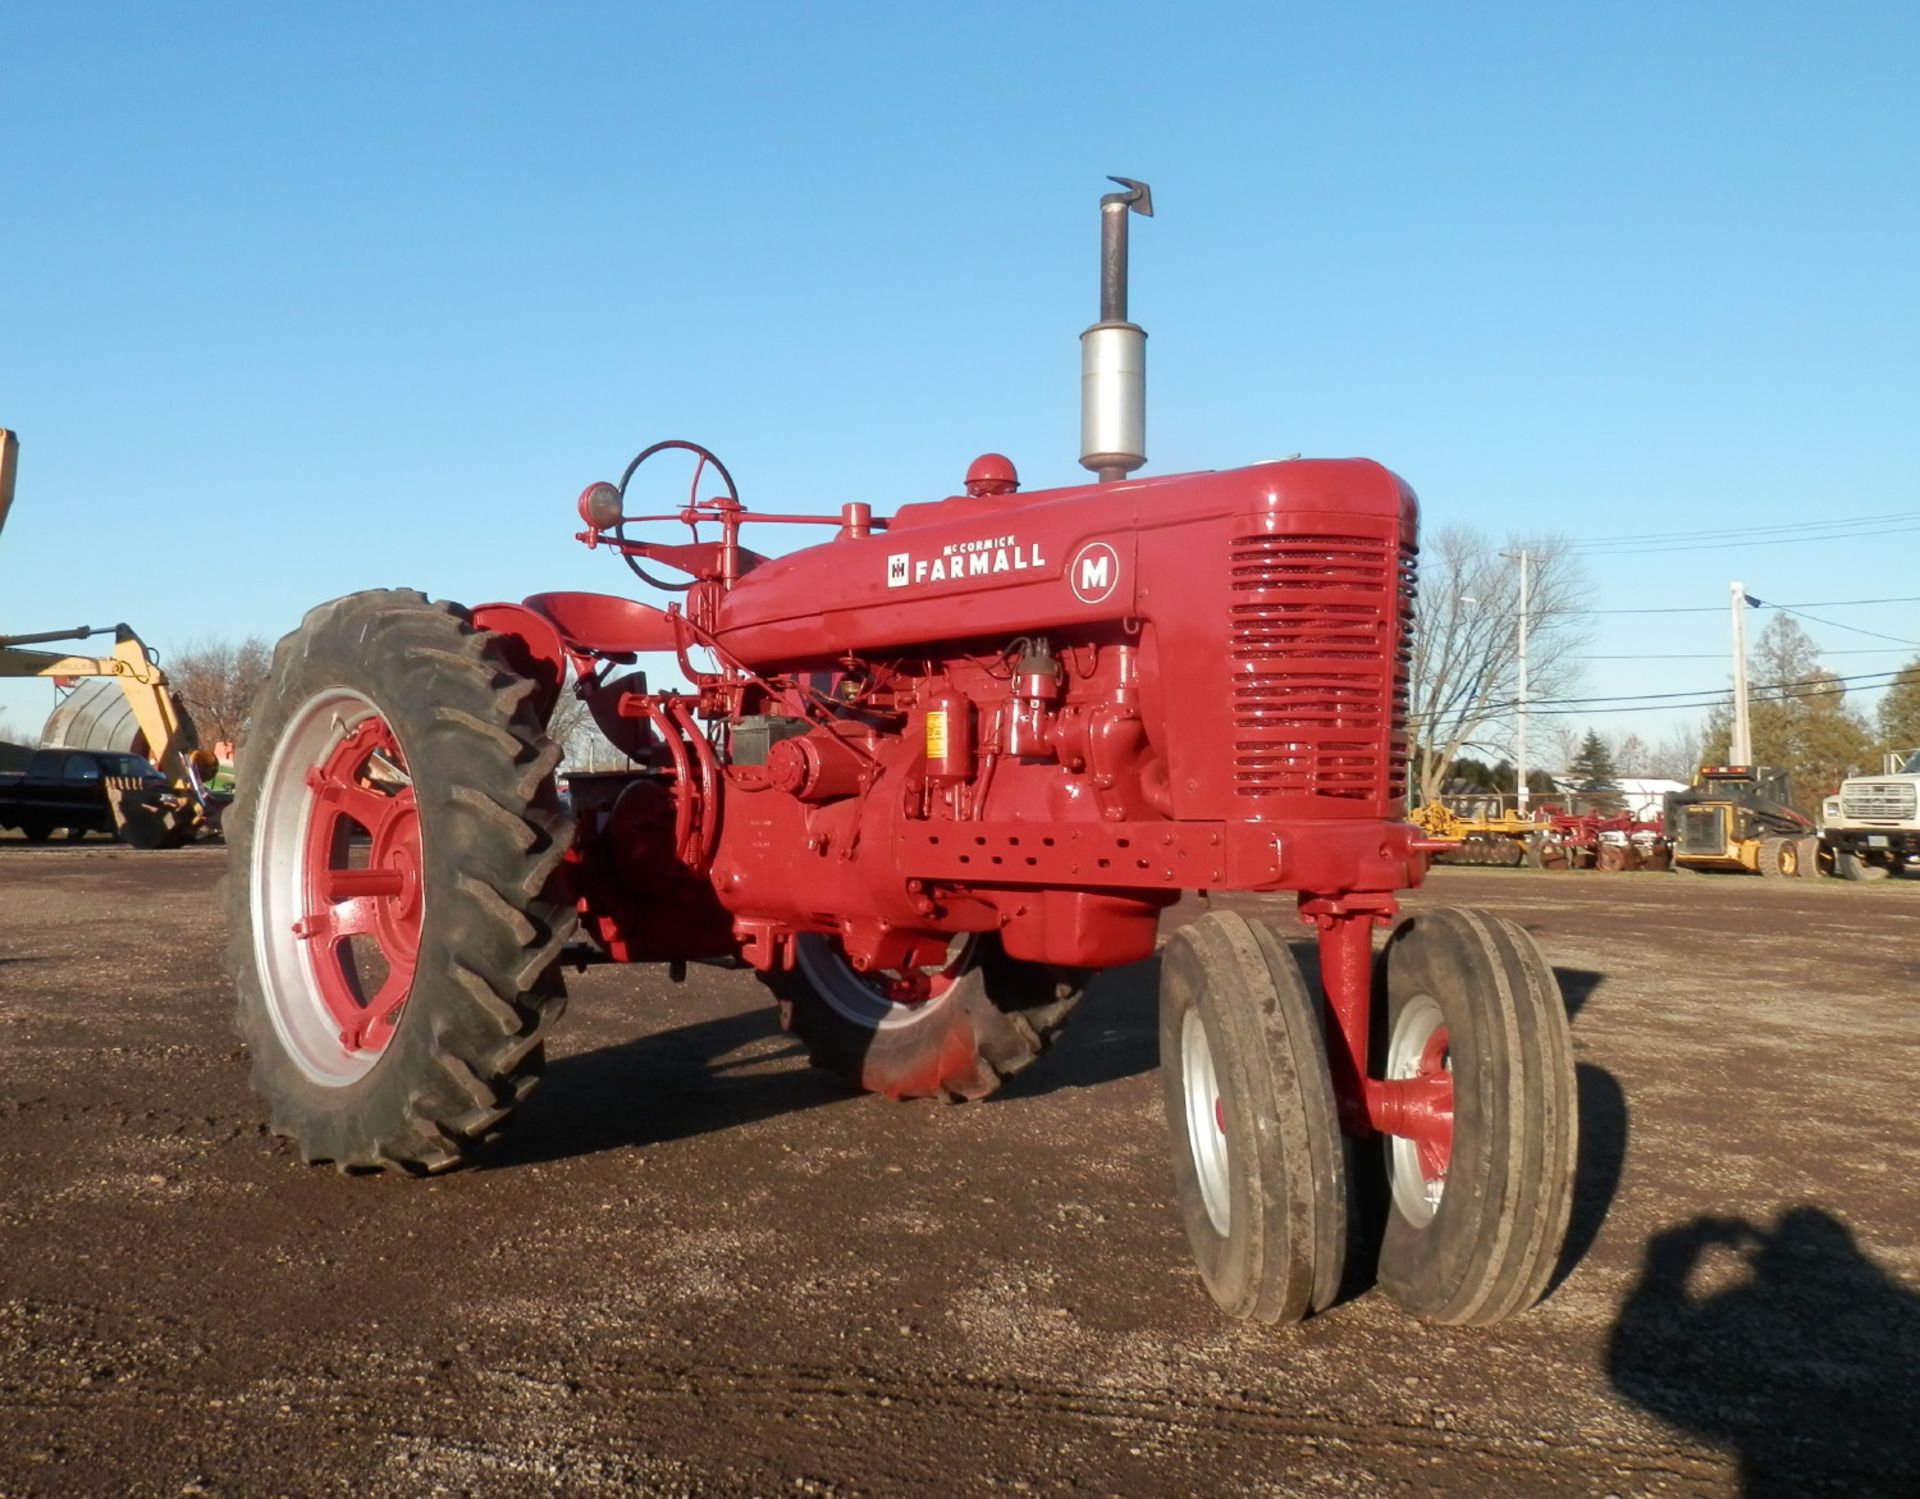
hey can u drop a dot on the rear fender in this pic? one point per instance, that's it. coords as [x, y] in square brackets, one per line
[550, 630]
[533, 647]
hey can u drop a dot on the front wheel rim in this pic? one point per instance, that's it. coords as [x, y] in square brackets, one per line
[1206, 1122]
[1418, 1050]
[337, 884]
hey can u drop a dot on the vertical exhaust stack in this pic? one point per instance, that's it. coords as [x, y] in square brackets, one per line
[1113, 352]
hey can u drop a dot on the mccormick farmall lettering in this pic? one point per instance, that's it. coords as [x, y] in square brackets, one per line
[925, 820]
[964, 559]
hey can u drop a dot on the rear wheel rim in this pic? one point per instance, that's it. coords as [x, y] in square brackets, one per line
[1418, 1049]
[878, 1001]
[337, 884]
[1206, 1122]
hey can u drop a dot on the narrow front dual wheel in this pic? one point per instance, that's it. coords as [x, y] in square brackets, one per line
[393, 902]
[1469, 1043]
[1258, 1162]
[1480, 1193]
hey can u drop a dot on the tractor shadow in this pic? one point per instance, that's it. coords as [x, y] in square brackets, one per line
[665, 1085]
[1787, 1346]
[1113, 1033]
[1602, 1152]
[1577, 986]
[1601, 1157]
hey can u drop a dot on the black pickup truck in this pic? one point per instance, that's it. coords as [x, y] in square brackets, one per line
[70, 788]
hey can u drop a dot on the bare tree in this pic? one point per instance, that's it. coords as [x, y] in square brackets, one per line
[1565, 739]
[582, 745]
[1466, 642]
[1632, 756]
[216, 680]
[569, 726]
[1677, 755]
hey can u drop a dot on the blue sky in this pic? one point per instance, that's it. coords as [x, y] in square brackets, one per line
[301, 300]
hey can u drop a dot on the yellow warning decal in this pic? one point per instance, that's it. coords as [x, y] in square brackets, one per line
[937, 734]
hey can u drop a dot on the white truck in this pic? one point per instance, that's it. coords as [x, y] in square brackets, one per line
[1872, 824]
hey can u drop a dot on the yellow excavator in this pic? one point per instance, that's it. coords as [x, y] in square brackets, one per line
[151, 720]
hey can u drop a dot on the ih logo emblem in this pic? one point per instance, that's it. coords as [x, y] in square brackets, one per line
[897, 570]
[1094, 572]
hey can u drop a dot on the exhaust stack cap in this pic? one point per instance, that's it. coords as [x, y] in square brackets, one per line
[1113, 352]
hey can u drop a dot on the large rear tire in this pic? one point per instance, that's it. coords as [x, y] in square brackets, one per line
[957, 1033]
[1259, 1165]
[1474, 1229]
[393, 902]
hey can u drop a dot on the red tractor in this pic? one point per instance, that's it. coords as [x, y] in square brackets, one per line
[927, 777]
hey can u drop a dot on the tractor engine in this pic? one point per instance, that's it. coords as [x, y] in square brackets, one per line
[1043, 716]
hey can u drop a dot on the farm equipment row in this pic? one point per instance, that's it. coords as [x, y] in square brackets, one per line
[1480, 831]
[1733, 819]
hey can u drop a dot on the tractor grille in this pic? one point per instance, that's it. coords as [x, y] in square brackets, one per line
[1320, 633]
[1702, 830]
[1881, 801]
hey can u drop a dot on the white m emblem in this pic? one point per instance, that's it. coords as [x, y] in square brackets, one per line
[1094, 572]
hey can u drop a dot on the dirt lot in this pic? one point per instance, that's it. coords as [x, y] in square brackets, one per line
[701, 1268]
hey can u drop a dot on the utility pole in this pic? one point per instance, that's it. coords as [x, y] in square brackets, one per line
[1520, 729]
[1741, 750]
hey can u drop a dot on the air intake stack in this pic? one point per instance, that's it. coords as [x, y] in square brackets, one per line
[1113, 352]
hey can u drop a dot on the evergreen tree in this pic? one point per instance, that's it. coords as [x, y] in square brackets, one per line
[1592, 769]
[1592, 774]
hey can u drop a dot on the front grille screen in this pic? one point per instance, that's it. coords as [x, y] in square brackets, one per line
[1320, 632]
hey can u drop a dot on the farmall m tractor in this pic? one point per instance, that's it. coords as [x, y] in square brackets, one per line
[928, 777]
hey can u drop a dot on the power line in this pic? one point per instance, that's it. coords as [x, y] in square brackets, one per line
[1870, 650]
[1811, 685]
[1644, 549]
[1707, 697]
[1805, 525]
[1722, 608]
[1834, 623]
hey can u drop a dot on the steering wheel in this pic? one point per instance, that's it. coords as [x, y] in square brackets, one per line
[706, 457]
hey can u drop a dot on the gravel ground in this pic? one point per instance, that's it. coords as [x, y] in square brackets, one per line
[699, 1267]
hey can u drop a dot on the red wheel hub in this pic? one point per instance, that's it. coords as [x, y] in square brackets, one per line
[361, 885]
[1433, 1134]
[1419, 1108]
[917, 986]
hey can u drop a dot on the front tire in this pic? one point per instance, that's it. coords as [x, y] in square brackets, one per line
[1475, 1223]
[1259, 1165]
[1859, 867]
[393, 901]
